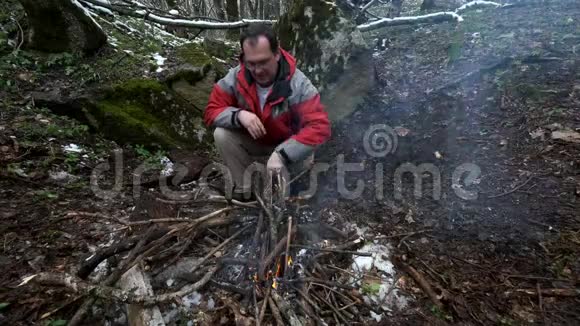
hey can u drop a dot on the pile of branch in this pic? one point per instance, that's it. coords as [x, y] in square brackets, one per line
[278, 285]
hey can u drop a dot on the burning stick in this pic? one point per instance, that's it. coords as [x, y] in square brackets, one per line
[288, 240]
[274, 253]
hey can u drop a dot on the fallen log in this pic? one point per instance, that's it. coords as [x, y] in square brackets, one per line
[437, 17]
[170, 21]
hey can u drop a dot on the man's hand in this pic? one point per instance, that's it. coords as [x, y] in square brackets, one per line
[275, 163]
[277, 171]
[252, 123]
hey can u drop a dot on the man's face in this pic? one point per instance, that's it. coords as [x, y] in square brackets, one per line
[260, 61]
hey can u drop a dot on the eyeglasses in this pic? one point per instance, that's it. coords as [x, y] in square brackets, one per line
[255, 65]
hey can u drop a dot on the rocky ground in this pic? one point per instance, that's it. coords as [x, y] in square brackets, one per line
[499, 91]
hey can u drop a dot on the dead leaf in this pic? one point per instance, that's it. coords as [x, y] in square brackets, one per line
[402, 131]
[567, 136]
[538, 133]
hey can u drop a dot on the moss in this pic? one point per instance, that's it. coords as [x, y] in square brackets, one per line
[130, 123]
[140, 111]
[317, 33]
[371, 288]
[194, 54]
[143, 111]
[134, 88]
[455, 49]
[219, 49]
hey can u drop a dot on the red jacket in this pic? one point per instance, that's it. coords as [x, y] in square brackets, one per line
[293, 116]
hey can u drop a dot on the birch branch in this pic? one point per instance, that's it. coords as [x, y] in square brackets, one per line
[437, 17]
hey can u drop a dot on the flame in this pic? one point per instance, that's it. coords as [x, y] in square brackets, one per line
[278, 269]
[274, 284]
[290, 260]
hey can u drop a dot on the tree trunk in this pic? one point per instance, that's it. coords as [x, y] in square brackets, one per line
[276, 11]
[253, 8]
[395, 10]
[233, 13]
[260, 9]
[61, 26]
[428, 4]
[219, 9]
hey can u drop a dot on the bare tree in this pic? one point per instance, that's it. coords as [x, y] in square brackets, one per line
[233, 14]
[218, 8]
[428, 4]
[253, 6]
[62, 25]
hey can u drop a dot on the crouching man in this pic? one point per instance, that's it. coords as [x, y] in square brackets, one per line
[265, 110]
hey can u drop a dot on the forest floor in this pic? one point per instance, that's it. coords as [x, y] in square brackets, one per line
[500, 92]
[493, 93]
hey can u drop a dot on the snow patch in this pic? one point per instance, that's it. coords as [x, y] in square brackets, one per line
[192, 300]
[159, 60]
[379, 286]
[72, 148]
[167, 166]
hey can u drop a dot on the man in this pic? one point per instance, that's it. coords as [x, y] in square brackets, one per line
[265, 108]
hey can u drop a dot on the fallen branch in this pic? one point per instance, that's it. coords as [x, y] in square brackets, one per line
[437, 17]
[286, 310]
[93, 261]
[106, 292]
[125, 265]
[275, 312]
[477, 4]
[546, 292]
[169, 21]
[216, 249]
[423, 284]
[356, 253]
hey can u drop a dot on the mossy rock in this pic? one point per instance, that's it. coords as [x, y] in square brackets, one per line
[195, 55]
[194, 79]
[330, 51]
[219, 49]
[147, 112]
[138, 111]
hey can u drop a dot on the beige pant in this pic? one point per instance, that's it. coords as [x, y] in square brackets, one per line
[239, 151]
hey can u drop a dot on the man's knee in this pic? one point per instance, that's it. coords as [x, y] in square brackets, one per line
[222, 136]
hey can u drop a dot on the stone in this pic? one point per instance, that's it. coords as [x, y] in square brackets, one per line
[62, 26]
[330, 51]
[137, 111]
[137, 282]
